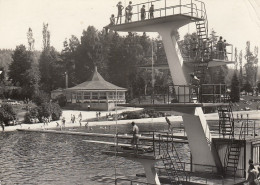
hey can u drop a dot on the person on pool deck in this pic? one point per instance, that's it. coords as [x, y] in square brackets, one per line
[169, 123]
[135, 132]
[252, 175]
[3, 126]
[143, 14]
[120, 9]
[80, 118]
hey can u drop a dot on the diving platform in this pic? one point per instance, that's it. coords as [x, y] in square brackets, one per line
[185, 108]
[176, 139]
[151, 25]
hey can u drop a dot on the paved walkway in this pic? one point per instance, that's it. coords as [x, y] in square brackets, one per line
[92, 114]
[86, 115]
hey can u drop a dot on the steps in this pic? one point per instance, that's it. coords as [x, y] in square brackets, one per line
[234, 150]
[226, 122]
[203, 50]
[172, 163]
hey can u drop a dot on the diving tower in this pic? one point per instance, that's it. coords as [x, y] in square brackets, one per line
[168, 18]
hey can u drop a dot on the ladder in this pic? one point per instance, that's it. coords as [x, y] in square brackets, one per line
[172, 162]
[203, 51]
[226, 123]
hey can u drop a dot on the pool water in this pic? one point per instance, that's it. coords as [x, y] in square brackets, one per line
[41, 158]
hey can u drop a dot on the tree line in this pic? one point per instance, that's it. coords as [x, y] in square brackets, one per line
[117, 58]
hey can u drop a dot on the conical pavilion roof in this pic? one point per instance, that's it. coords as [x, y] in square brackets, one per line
[96, 83]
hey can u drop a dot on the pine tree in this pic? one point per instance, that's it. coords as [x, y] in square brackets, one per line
[235, 92]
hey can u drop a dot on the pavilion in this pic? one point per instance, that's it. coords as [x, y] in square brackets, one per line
[95, 94]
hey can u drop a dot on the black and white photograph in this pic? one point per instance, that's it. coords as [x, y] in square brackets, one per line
[129, 92]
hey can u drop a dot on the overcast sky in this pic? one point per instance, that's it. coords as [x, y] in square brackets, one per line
[235, 20]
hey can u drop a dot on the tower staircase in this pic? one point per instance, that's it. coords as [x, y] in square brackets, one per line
[203, 54]
[172, 163]
[233, 150]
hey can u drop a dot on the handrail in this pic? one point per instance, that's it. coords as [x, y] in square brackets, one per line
[189, 7]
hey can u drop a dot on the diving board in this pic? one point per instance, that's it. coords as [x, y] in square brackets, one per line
[145, 138]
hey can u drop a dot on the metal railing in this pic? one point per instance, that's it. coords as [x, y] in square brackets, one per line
[213, 93]
[190, 51]
[204, 93]
[163, 8]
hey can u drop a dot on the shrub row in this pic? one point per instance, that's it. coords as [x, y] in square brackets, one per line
[44, 110]
[141, 114]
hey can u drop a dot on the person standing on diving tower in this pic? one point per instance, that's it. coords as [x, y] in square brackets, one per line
[120, 9]
[143, 14]
[128, 12]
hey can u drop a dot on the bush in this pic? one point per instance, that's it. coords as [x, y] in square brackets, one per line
[131, 115]
[153, 114]
[32, 114]
[7, 113]
[61, 99]
[142, 114]
[44, 110]
[41, 98]
[55, 111]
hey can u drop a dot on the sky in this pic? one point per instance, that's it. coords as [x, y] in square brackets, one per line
[235, 20]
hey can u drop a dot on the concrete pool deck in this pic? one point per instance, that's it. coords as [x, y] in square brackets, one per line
[88, 115]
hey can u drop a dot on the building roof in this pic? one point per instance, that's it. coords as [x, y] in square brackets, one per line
[97, 82]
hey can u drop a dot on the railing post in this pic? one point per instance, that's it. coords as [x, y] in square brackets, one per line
[159, 144]
[138, 12]
[180, 6]
[178, 93]
[167, 140]
[168, 94]
[247, 125]
[184, 94]
[201, 10]
[191, 8]
[213, 93]
[172, 142]
[233, 128]
[254, 129]
[165, 7]
[153, 144]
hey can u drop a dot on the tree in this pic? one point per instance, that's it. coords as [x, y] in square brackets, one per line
[68, 56]
[248, 87]
[7, 113]
[235, 88]
[50, 65]
[51, 70]
[251, 64]
[88, 55]
[19, 65]
[32, 76]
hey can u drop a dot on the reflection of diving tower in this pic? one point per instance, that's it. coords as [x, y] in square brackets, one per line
[168, 18]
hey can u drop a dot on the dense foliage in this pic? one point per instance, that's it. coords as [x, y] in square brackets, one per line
[7, 113]
[45, 110]
[235, 91]
[117, 58]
